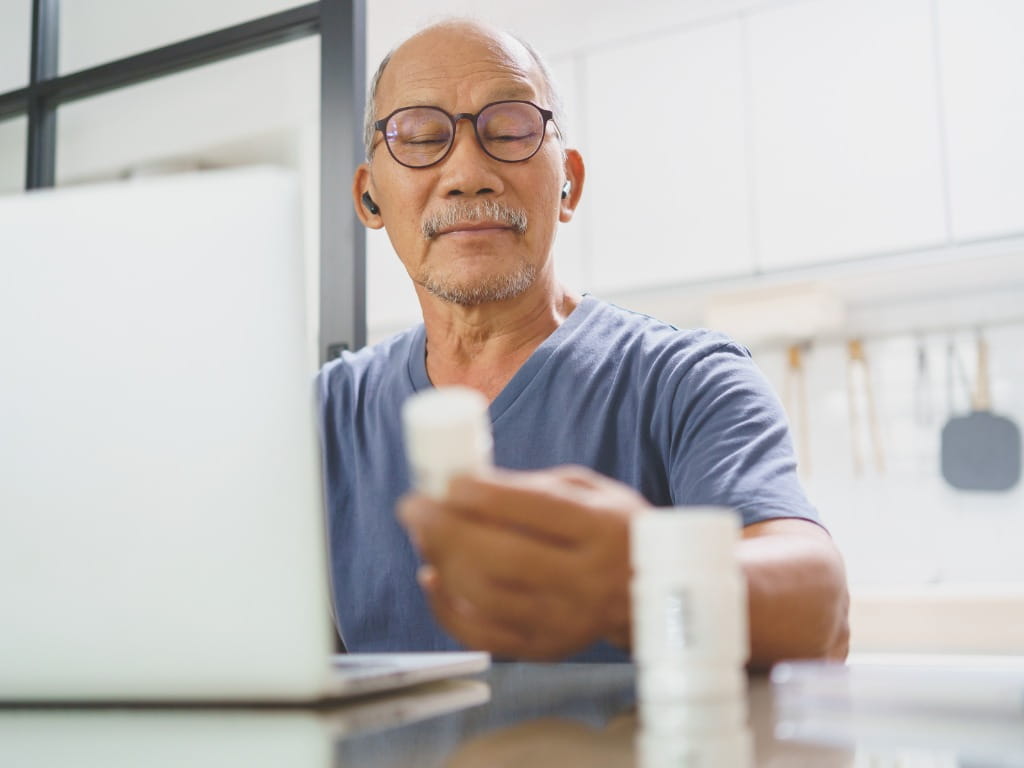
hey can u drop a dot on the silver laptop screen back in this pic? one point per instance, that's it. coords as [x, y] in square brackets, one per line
[160, 504]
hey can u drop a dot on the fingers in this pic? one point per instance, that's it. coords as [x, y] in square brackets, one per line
[475, 629]
[496, 589]
[528, 502]
[468, 549]
[470, 629]
[520, 609]
[558, 503]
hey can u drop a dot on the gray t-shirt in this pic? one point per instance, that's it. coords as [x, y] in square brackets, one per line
[684, 417]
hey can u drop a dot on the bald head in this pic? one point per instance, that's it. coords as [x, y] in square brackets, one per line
[429, 44]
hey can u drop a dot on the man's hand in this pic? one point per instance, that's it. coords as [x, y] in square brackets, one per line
[531, 565]
[535, 565]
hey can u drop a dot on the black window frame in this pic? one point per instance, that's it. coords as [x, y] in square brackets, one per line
[341, 25]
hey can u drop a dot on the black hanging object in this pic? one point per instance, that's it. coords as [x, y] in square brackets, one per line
[981, 451]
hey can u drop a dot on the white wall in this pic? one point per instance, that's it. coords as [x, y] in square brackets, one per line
[12, 154]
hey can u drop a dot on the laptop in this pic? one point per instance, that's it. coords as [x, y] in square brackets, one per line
[162, 534]
[208, 737]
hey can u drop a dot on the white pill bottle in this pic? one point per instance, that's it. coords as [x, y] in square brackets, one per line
[447, 431]
[690, 639]
[690, 632]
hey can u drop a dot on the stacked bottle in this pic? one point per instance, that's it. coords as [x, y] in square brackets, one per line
[690, 638]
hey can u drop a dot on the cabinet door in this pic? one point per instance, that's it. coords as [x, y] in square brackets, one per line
[666, 197]
[846, 133]
[982, 57]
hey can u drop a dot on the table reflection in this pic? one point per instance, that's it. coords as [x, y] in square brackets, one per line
[695, 733]
[116, 739]
[905, 712]
[912, 740]
[533, 715]
[208, 737]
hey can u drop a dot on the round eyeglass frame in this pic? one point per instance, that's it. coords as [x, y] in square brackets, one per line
[546, 115]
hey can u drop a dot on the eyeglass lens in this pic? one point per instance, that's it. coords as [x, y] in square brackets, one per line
[509, 131]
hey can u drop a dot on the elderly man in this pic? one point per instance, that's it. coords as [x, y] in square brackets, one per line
[599, 414]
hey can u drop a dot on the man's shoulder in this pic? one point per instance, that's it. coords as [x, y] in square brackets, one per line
[647, 338]
[371, 365]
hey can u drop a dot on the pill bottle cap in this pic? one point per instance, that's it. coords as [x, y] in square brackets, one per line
[684, 541]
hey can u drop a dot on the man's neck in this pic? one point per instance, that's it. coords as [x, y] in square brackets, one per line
[484, 345]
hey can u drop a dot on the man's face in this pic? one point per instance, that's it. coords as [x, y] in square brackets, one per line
[446, 221]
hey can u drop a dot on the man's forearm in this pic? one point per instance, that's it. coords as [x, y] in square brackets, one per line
[798, 599]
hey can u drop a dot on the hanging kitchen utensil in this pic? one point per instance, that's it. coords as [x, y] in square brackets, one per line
[924, 413]
[954, 368]
[795, 399]
[981, 451]
[857, 368]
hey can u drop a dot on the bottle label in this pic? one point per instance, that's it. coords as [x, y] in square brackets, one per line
[679, 625]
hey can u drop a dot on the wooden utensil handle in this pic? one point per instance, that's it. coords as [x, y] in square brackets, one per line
[982, 400]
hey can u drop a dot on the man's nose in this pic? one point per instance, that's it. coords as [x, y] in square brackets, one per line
[468, 170]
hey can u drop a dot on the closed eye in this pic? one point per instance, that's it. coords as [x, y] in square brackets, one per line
[426, 141]
[512, 137]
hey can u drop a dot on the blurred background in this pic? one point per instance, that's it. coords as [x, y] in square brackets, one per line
[837, 183]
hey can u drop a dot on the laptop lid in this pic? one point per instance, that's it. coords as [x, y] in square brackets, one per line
[160, 501]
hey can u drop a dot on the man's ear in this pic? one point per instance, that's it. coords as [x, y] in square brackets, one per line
[366, 208]
[575, 173]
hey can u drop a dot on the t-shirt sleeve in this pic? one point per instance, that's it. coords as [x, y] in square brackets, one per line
[731, 444]
[334, 425]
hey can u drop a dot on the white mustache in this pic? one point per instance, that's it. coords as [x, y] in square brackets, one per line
[464, 213]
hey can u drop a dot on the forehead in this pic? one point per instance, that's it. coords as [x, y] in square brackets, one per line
[459, 68]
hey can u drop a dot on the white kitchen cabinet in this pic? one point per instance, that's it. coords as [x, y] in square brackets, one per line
[666, 198]
[982, 55]
[846, 137]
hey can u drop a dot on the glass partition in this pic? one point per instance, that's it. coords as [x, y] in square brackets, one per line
[15, 42]
[200, 118]
[97, 31]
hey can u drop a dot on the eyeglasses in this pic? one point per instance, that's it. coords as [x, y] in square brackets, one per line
[509, 131]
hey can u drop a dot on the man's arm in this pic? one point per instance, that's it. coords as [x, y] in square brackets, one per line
[536, 565]
[796, 589]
